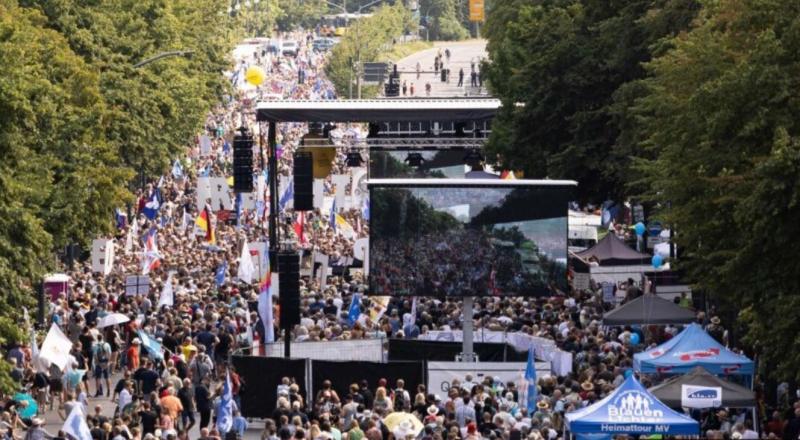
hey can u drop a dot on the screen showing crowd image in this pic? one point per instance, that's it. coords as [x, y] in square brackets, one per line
[438, 240]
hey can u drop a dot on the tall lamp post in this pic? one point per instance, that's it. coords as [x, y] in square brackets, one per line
[140, 64]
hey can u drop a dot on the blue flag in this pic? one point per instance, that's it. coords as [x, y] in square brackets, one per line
[530, 377]
[152, 345]
[121, 218]
[225, 409]
[365, 209]
[219, 277]
[355, 310]
[287, 195]
[177, 169]
[333, 216]
[239, 207]
[151, 207]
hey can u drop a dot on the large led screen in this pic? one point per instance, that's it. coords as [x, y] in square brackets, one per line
[434, 239]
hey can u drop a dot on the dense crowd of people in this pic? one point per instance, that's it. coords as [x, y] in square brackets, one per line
[175, 392]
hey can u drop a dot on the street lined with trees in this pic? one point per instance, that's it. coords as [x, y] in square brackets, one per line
[688, 106]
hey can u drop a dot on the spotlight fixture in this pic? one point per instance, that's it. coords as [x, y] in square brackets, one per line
[354, 158]
[473, 159]
[414, 160]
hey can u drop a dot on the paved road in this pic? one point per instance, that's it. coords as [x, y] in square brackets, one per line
[54, 422]
[463, 54]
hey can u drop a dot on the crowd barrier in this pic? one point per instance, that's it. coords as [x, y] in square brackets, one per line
[262, 375]
[370, 350]
[545, 349]
[422, 350]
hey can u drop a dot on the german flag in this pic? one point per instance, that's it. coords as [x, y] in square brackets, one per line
[204, 223]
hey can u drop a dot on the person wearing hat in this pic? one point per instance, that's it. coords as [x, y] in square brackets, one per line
[36, 431]
[132, 354]
[431, 413]
[717, 331]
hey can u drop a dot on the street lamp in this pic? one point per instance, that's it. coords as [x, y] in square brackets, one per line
[174, 53]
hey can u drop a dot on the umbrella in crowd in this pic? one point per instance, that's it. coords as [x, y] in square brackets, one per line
[112, 319]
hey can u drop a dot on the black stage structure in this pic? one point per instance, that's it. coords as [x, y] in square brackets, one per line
[449, 122]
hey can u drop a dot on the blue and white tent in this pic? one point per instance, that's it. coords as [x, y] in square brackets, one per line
[630, 409]
[691, 348]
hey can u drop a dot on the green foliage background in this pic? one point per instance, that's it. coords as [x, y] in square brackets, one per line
[367, 40]
[691, 106]
[78, 122]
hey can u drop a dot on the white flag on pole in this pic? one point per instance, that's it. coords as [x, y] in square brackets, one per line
[167, 297]
[75, 424]
[55, 348]
[246, 266]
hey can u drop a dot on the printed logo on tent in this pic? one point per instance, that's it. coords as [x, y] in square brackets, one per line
[656, 354]
[698, 396]
[731, 369]
[663, 370]
[634, 407]
[687, 356]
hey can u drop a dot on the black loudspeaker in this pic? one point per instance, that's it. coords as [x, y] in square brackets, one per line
[243, 162]
[289, 282]
[303, 181]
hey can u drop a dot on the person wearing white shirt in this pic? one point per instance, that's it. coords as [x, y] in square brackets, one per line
[125, 397]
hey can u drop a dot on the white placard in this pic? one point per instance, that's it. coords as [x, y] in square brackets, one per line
[698, 396]
[102, 255]
[441, 374]
[340, 181]
[319, 193]
[361, 252]
[359, 187]
[257, 250]
[323, 269]
[137, 285]
[214, 191]
[351, 350]
[581, 281]
[205, 145]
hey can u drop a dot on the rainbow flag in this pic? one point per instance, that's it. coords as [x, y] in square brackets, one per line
[265, 301]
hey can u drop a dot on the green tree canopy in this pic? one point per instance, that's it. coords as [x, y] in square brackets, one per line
[566, 60]
[720, 120]
[367, 40]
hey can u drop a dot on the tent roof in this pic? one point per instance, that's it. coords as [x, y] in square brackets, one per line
[630, 409]
[688, 349]
[378, 110]
[648, 309]
[611, 251]
[732, 396]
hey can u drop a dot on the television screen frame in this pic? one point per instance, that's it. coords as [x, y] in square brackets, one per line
[567, 186]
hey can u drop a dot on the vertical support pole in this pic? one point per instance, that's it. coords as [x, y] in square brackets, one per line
[467, 351]
[273, 187]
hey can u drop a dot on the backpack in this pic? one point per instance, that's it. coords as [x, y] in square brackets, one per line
[103, 353]
[400, 399]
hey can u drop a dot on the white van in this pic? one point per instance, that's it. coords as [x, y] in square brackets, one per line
[289, 48]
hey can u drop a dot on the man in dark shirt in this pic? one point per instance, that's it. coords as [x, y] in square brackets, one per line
[97, 431]
[202, 398]
[146, 378]
[207, 338]
[148, 418]
[186, 396]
